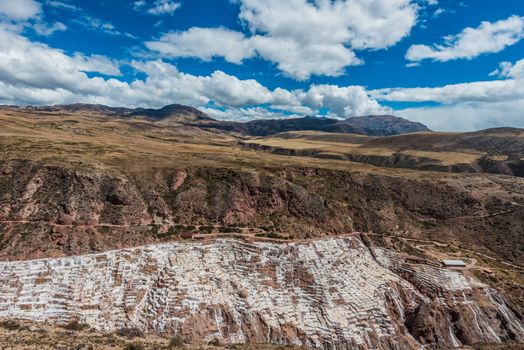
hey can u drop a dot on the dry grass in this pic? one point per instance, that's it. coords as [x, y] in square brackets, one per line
[323, 146]
[446, 158]
[498, 157]
[115, 144]
[344, 144]
[38, 336]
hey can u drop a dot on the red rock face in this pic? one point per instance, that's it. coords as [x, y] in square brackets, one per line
[328, 293]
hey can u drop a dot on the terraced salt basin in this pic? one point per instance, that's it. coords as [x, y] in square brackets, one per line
[327, 293]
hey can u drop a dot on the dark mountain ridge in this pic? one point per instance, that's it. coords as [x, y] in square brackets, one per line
[382, 125]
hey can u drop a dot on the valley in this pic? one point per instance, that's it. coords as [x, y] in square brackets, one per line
[308, 238]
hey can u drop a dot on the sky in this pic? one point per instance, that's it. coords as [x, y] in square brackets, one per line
[453, 65]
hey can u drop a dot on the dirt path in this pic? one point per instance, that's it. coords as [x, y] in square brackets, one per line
[430, 243]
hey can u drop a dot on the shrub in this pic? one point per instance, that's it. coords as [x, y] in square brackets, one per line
[10, 325]
[214, 342]
[134, 346]
[74, 325]
[225, 229]
[273, 235]
[176, 342]
[206, 229]
[130, 332]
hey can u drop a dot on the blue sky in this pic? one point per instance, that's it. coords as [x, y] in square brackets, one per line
[453, 65]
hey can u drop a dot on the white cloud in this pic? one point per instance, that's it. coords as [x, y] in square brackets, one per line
[162, 7]
[204, 43]
[468, 116]
[96, 63]
[489, 37]
[301, 37]
[479, 91]
[61, 4]
[510, 70]
[509, 89]
[343, 101]
[98, 25]
[31, 65]
[33, 73]
[44, 29]
[301, 61]
[20, 15]
[468, 106]
[246, 114]
[439, 12]
[19, 9]
[158, 8]
[138, 5]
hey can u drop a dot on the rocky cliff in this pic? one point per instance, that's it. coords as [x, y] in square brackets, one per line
[54, 211]
[328, 293]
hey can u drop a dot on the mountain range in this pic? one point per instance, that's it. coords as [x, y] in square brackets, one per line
[376, 125]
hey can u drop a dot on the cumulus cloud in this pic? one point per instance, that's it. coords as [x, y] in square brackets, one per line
[19, 15]
[489, 37]
[36, 66]
[19, 9]
[301, 37]
[229, 91]
[342, 101]
[204, 43]
[33, 73]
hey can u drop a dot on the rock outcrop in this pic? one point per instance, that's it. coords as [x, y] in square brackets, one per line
[328, 293]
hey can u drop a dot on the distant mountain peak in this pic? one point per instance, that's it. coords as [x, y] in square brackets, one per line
[179, 112]
[383, 125]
